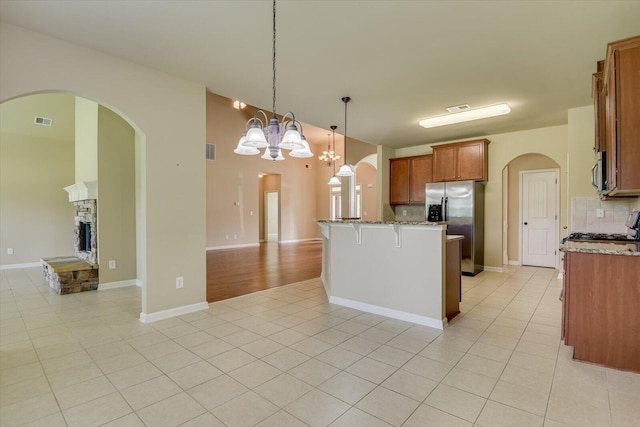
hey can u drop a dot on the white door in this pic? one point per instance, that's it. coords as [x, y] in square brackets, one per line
[271, 216]
[539, 222]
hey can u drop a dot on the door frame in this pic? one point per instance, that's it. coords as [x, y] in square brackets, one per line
[556, 171]
[266, 214]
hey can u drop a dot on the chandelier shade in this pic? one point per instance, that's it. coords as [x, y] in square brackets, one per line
[302, 153]
[244, 150]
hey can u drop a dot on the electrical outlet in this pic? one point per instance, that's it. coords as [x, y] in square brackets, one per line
[404, 212]
[112, 264]
[235, 236]
[9, 251]
[600, 213]
[179, 282]
[226, 237]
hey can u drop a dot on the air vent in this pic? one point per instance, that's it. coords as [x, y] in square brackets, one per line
[458, 108]
[42, 121]
[211, 151]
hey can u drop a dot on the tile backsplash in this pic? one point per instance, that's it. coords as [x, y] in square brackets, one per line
[584, 215]
[409, 212]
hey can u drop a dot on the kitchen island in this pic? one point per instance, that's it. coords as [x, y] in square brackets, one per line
[403, 270]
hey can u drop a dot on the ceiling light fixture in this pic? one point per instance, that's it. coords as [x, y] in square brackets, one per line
[254, 136]
[334, 179]
[466, 116]
[329, 156]
[239, 105]
[345, 169]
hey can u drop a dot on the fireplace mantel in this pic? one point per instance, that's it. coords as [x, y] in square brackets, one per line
[85, 190]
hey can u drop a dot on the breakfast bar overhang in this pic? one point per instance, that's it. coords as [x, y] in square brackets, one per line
[404, 270]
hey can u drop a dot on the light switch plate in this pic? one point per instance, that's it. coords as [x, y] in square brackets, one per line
[600, 213]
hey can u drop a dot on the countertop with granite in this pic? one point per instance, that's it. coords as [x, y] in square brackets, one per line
[628, 248]
[358, 221]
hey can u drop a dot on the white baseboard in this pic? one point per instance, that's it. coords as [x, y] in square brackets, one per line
[246, 245]
[25, 265]
[300, 240]
[173, 312]
[115, 285]
[494, 269]
[513, 262]
[388, 312]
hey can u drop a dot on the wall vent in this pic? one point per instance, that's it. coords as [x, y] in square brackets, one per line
[458, 108]
[211, 151]
[44, 121]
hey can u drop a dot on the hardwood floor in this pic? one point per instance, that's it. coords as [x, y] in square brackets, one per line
[235, 272]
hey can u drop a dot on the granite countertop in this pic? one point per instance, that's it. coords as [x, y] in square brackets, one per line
[453, 237]
[358, 221]
[630, 248]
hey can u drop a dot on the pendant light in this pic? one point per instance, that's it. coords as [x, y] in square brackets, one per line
[345, 169]
[254, 136]
[334, 179]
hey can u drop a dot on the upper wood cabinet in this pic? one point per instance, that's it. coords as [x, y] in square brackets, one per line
[598, 107]
[618, 117]
[407, 178]
[461, 161]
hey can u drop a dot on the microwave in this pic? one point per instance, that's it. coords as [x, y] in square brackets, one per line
[598, 172]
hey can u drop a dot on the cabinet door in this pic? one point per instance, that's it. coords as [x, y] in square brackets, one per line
[399, 181]
[627, 83]
[470, 162]
[611, 131]
[421, 172]
[444, 160]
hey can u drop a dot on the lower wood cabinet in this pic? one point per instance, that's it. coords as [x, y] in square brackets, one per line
[601, 319]
[453, 285]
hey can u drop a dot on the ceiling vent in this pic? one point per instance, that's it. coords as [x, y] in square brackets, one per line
[42, 121]
[458, 108]
[211, 151]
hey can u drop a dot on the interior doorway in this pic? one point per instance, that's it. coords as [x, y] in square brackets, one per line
[269, 193]
[271, 215]
[539, 198]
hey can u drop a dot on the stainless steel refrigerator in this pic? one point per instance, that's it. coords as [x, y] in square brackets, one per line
[461, 205]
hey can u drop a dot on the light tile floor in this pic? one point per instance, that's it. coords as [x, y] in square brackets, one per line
[286, 357]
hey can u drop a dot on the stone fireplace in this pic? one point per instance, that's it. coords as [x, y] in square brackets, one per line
[85, 232]
[78, 273]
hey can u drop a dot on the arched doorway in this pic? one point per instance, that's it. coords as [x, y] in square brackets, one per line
[82, 142]
[517, 244]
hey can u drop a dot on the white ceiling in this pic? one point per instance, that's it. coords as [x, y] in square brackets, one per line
[400, 61]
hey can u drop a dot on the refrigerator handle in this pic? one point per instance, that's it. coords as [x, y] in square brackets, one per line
[446, 209]
[442, 208]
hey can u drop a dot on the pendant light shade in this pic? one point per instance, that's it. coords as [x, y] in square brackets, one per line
[244, 150]
[334, 181]
[275, 155]
[303, 153]
[255, 137]
[345, 170]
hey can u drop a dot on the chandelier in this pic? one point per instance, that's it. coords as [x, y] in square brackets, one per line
[330, 156]
[253, 137]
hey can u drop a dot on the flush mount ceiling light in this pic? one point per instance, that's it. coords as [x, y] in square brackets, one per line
[465, 115]
[254, 136]
[345, 169]
[239, 105]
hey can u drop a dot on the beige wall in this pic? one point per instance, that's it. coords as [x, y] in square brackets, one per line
[581, 155]
[116, 197]
[36, 218]
[169, 114]
[366, 177]
[86, 143]
[517, 165]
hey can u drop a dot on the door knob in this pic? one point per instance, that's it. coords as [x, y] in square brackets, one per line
[526, 223]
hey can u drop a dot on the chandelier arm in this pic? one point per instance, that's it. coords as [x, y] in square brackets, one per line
[257, 119]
